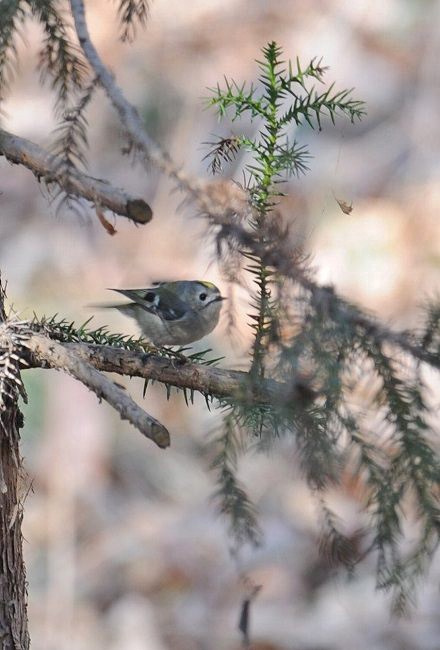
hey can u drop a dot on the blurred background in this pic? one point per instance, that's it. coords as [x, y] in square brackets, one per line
[122, 543]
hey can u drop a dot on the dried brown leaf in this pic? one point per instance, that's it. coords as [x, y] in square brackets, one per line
[345, 207]
[104, 221]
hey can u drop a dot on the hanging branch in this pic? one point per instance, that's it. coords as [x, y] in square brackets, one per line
[281, 257]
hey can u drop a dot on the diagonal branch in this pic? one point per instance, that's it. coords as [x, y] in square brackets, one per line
[127, 113]
[221, 202]
[51, 354]
[43, 165]
[281, 257]
[210, 196]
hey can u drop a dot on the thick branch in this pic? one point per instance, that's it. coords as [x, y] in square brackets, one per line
[208, 380]
[43, 165]
[52, 354]
[13, 592]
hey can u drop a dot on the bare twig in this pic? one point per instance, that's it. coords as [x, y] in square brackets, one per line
[127, 113]
[56, 355]
[192, 376]
[43, 165]
[210, 196]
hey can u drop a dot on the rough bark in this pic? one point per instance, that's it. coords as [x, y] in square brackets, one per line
[45, 166]
[63, 357]
[13, 588]
[209, 380]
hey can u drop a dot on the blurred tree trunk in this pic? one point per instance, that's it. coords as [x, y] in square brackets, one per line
[13, 592]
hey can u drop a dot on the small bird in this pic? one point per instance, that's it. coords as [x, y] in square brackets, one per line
[173, 313]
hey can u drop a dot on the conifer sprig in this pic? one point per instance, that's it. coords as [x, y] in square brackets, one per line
[430, 335]
[67, 331]
[132, 13]
[61, 60]
[231, 498]
[12, 16]
[279, 101]
[275, 156]
[71, 144]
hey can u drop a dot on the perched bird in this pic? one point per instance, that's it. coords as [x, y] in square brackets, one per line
[173, 313]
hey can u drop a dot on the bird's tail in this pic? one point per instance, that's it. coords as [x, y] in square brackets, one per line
[124, 307]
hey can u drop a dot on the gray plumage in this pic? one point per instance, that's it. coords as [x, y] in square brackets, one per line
[173, 313]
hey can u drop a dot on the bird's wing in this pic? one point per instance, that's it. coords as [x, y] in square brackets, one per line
[167, 306]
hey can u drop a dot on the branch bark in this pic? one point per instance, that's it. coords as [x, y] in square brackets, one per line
[101, 193]
[207, 380]
[13, 592]
[62, 357]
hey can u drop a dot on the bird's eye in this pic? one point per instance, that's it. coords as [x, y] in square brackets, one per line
[149, 296]
[203, 296]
